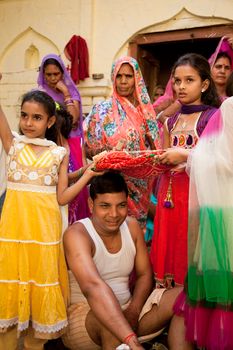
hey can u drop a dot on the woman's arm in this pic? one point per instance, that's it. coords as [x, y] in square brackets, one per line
[72, 106]
[173, 108]
[94, 135]
[166, 136]
[84, 157]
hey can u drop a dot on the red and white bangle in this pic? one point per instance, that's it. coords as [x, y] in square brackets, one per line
[128, 337]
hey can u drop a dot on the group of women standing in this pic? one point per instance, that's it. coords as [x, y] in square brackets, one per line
[127, 121]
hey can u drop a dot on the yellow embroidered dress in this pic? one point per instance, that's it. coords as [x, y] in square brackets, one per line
[33, 276]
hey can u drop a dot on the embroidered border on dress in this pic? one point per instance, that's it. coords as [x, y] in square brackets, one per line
[6, 323]
[22, 326]
[30, 188]
[31, 281]
[28, 241]
[37, 326]
[49, 329]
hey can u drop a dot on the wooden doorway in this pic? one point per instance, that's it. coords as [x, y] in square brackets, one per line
[157, 52]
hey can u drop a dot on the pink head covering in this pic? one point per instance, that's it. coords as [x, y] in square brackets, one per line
[223, 46]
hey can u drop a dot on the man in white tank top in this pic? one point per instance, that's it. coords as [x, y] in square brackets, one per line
[101, 253]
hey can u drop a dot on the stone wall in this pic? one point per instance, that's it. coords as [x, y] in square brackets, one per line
[30, 29]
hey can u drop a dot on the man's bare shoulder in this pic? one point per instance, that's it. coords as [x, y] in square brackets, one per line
[134, 227]
[76, 232]
[76, 229]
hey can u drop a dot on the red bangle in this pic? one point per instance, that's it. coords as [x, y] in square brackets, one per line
[128, 337]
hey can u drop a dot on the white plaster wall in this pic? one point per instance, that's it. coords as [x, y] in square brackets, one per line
[48, 25]
[117, 21]
[107, 26]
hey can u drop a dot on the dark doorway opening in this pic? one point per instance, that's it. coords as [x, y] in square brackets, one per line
[157, 52]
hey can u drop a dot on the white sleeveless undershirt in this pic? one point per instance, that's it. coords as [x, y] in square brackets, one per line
[115, 268]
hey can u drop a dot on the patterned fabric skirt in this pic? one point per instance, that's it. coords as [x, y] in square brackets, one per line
[169, 244]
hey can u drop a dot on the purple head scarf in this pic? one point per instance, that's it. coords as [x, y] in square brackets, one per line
[58, 96]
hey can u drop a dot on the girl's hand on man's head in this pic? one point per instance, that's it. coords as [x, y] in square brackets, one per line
[90, 170]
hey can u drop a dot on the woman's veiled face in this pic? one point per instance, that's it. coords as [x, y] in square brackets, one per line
[125, 82]
[52, 75]
[221, 71]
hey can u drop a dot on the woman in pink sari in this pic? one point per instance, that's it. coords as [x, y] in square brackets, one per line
[221, 63]
[55, 80]
[126, 121]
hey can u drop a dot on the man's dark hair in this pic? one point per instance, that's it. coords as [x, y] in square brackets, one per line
[109, 182]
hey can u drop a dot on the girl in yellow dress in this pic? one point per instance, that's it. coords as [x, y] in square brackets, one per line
[33, 276]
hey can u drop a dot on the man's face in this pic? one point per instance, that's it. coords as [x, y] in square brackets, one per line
[109, 210]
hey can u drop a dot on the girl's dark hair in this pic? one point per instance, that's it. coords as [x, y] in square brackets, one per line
[47, 102]
[64, 121]
[229, 86]
[54, 62]
[201, 65]
[109, 182]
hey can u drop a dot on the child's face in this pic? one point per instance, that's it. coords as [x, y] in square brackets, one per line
[188, 85]
[34, 120]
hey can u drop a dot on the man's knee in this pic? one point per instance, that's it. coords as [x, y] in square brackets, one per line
[77, 336]
[99, 334]
[93, 327]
